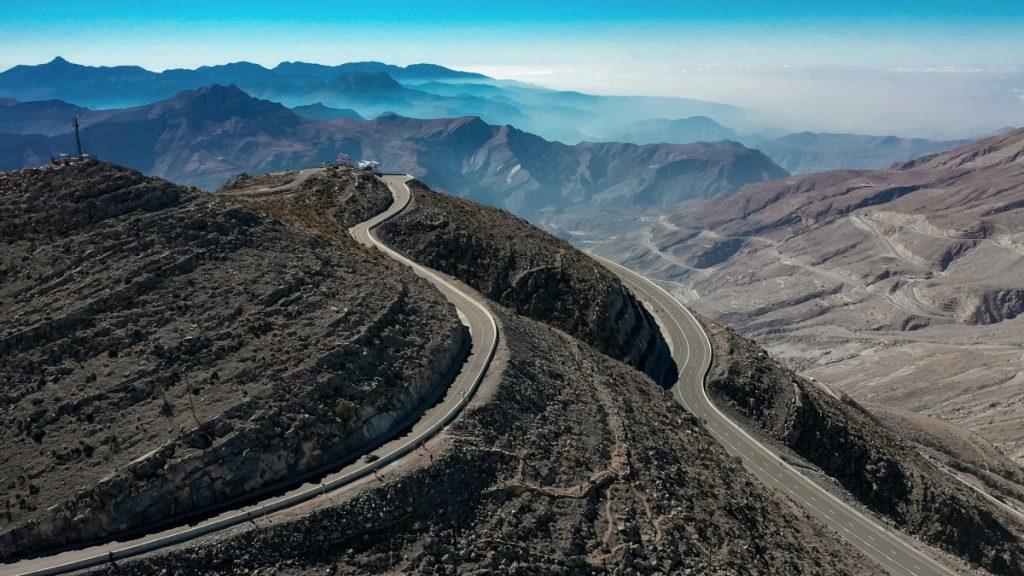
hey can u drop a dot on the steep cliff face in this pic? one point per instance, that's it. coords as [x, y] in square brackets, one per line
[849, 444]
[992, 305]
[532, 273]
[163, 350]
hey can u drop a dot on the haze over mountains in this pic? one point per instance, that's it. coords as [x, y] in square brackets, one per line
[204, 137]
[371, 88]
[427, 91]
[809, 152]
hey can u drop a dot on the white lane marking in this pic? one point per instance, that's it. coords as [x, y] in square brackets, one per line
[868, 523]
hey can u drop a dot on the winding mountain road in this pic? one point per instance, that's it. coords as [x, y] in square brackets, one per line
[691, 348]
[425, 424]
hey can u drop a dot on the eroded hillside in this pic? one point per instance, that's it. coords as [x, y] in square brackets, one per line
[163, 350]
[849, 444]
[902, 287]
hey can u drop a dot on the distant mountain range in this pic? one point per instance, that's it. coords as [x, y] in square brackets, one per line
[681, 131]
[800, 153]
[427, 91]
[320, 112]
[204, 137]
[810, 152]
[369, 88]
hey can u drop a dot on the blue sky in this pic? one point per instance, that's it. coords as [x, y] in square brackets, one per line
[738, 51]
[525, 34]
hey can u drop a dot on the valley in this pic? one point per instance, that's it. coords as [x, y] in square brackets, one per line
[897, 287]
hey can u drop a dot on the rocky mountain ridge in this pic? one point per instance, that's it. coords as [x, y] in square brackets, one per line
[597, 464]
[572, 463]
[206, 136]
[532, 273]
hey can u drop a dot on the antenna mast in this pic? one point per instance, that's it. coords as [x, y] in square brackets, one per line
[78, 139]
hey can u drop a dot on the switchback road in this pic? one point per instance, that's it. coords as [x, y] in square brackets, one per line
[425, 424]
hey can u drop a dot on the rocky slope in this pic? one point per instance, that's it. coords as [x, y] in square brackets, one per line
[204, 137]
[573, 464]
[326, 203]
[848, 444]
[901, 287]
[531, 272]
[164, 350]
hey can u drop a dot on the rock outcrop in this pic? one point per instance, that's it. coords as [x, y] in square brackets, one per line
[992, 305]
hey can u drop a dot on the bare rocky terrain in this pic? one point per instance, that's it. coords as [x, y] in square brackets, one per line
[848, 444]
[164, 350]
[263, 342]
[901, 287]
[531, 272]
[575, 464]
[179, 348]
[327, 203]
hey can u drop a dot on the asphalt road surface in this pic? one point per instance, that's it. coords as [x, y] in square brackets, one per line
[692, 350]
[484, 333]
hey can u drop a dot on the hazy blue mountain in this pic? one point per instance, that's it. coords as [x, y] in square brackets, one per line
[813, 152]
[22, 150]
[98, 86]
[369, 88]
[680, 131]
[103, 87]
[48, 117]
[320, 112]
[204, 137]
